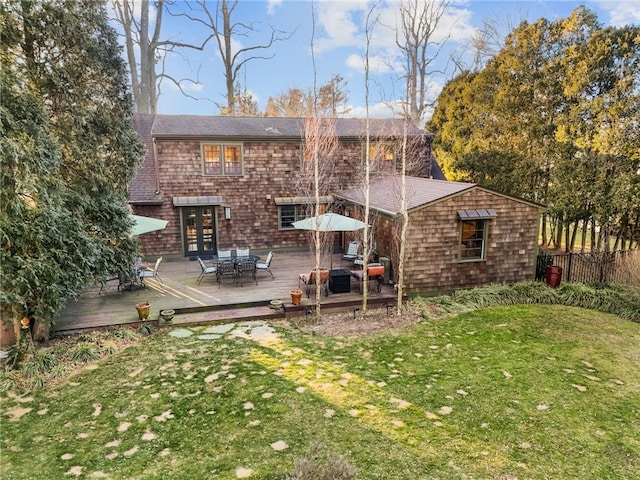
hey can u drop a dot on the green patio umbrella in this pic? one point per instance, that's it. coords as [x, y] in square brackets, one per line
[329, 222]
[147, 224]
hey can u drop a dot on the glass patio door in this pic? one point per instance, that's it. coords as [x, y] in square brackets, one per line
[199, 231]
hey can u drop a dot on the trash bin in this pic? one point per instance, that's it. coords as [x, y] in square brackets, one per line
[554, 276]
[387, 269]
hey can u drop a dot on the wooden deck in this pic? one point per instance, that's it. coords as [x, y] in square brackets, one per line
[209, 301]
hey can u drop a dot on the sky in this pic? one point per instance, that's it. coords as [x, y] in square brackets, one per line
[339, 46]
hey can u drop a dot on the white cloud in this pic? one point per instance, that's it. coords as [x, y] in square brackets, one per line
[377, 110]
[377, 64]
[621, 12]
[272, 5]
[338, 21]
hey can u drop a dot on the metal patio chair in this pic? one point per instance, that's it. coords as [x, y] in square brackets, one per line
[205, 270]
[225, 269]
[150, 273]
[266, 265]
[246, 269]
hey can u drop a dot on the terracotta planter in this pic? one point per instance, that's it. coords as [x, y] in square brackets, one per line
[296, 295]
[143, 310]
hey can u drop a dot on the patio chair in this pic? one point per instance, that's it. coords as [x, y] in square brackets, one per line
[310, 280]
[266, 265]
[246, 269]
[352, 252]
[225, 269]
[205, 270]
[375, 274]
[150, 273]
[224, 255]
[242, 252]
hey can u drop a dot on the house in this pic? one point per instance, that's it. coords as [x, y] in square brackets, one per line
[227, 182]
[460, 235]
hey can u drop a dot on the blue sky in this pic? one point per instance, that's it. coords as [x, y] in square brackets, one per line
[339, 47]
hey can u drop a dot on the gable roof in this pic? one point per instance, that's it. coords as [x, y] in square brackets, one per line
[268, 127]
[384, 193]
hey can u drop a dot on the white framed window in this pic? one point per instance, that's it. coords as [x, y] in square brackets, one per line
[222, 159]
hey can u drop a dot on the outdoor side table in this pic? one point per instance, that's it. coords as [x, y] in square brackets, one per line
[340, 280]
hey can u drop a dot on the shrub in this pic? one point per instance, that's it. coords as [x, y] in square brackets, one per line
[609, 299]
[84, 353]
[40, 363]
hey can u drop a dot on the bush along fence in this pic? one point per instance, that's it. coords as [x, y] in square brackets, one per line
[593, 267]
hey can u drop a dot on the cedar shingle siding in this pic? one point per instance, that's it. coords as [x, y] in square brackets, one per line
[270, 160]
[432, 250]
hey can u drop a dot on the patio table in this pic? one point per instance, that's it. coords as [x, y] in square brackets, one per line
[236, 260]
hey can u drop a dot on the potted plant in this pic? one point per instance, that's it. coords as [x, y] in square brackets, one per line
[143, 310]
[296, 295]
[275, 304]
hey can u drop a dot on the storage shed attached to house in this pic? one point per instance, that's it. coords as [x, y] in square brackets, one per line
[460, 235]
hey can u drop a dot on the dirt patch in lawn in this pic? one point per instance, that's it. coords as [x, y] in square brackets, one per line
[350, 324]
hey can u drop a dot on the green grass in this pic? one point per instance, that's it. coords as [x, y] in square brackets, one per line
[523, 391]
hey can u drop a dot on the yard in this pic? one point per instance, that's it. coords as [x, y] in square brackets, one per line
[535, 391]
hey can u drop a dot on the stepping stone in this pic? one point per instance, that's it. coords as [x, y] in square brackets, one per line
[181, 333]
[209, 336]
[261, 331]
[224, 328]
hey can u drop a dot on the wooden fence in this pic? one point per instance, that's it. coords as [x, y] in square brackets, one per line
[595, 267]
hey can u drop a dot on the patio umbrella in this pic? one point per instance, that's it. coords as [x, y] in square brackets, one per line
[147, 224]
[330, 222]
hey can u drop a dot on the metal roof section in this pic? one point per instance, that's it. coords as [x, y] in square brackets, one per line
[483, 214]
[196, 201]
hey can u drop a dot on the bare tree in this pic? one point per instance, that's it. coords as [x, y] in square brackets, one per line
[316, 172]
[225, 30]
[145, 79]
[366, 184]
[418, 22]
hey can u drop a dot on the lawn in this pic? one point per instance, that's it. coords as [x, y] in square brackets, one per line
[521, 392]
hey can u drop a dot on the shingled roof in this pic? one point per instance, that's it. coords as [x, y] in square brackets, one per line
[268, 127]
[384, 194]
[142, 188]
